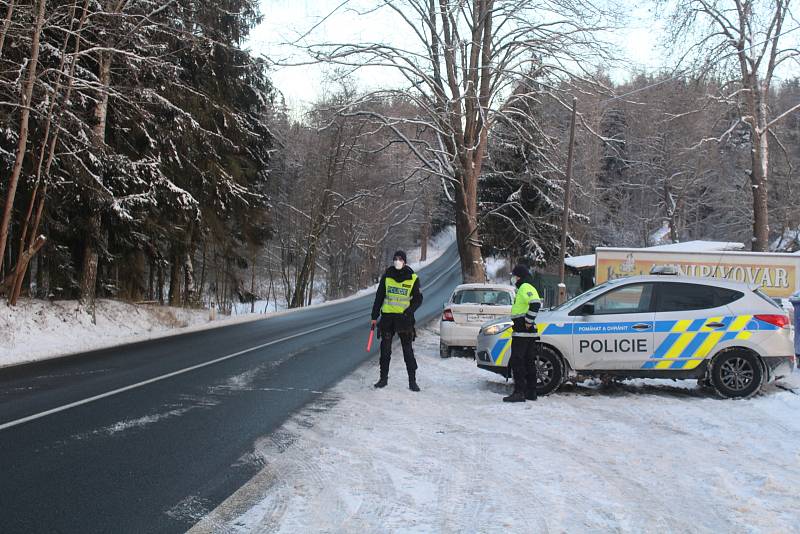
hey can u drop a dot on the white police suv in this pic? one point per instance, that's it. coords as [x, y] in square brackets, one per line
[726, 334]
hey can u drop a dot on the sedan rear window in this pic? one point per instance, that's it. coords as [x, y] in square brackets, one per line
[486, 297]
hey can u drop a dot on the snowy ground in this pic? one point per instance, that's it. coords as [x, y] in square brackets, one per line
[643, 456]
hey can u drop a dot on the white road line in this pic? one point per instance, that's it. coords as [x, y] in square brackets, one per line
[170, 375]
[29, 418]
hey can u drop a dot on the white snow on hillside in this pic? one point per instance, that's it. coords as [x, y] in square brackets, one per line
[642, 456]
[36, 329]
[436, 247]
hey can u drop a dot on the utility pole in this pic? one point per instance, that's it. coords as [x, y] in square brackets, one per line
[562, 287]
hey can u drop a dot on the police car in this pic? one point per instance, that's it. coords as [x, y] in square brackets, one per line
[727, 335]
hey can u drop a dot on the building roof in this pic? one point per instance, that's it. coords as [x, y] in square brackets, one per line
[588, 261]
[699, 246]
[580, 262]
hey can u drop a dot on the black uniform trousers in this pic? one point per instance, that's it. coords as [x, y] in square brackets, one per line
[408, 351]
[523, 363]
[404, 328]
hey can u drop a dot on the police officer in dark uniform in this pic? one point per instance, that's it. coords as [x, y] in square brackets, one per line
[525, 337]
[396, 300]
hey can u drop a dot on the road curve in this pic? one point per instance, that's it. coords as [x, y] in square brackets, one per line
[149, 437]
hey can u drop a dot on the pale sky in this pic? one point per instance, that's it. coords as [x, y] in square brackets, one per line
[286, 20]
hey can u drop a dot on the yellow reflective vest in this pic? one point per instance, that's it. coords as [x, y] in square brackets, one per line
[398, 295]
[521, 313]
[526, 294]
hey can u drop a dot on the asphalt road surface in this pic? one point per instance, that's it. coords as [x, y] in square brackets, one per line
[148, 437]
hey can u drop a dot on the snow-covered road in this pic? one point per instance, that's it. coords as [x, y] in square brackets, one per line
[643, 456]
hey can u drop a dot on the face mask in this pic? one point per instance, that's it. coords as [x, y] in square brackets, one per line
[399, 264]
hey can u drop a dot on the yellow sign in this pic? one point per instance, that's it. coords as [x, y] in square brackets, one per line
[777, 274]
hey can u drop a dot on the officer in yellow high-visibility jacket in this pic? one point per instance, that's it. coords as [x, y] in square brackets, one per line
[396, 300]
[525, 338]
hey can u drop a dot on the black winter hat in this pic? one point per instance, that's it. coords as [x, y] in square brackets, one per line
[400, 254]
[521, 271]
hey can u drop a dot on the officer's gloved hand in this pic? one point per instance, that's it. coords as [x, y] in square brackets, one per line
[535, 330]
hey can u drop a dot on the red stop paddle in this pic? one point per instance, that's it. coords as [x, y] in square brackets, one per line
[371, 336]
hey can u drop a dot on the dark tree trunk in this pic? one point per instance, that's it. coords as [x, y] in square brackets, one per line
[88, 286]
[151, 279]
[160, 280]
[135, 276]
[175, 281]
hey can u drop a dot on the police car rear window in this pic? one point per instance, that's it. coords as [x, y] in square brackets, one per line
[726, 296]
[685, 297]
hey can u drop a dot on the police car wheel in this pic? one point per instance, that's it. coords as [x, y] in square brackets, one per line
[549, 371]
[444, 350]
[736, 374]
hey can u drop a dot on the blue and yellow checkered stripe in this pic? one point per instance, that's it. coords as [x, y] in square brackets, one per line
[502, 348]
[688, 343]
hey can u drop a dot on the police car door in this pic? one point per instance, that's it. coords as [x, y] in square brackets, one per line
[615, 331]
[690, 320]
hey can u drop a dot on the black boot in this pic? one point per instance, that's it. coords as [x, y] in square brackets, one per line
[517, 396]
[412, 381]
[532, 394]
[520, 387]
[384, 379]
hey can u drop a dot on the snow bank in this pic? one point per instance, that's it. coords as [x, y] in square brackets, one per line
[36, 330]
[642, 456]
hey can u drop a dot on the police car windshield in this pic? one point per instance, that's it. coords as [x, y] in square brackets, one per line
[584, 295]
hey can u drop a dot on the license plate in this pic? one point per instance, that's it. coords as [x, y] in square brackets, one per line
[479, 318]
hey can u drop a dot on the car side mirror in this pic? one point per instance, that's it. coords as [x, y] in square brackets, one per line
[587, 309]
